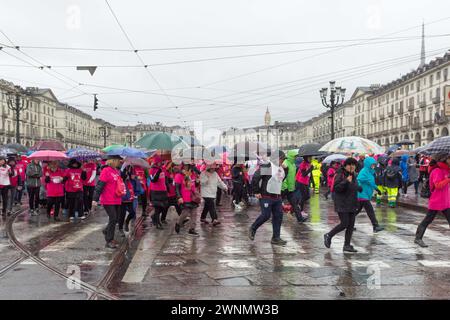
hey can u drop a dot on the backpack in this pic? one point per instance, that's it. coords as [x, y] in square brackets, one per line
[391, 173]
[120, 188]
[425, 192]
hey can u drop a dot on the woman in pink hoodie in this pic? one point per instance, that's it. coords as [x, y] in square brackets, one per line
[54, 184]
[110, 189]
[440, 195]
[158, 190]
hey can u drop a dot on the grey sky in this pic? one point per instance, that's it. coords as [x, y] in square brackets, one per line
[198, 88]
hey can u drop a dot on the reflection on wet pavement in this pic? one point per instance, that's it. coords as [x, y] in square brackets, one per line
[224, 264]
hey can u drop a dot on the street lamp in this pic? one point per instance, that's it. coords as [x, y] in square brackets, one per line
[16, 103]
[105, 133]
[337, 96]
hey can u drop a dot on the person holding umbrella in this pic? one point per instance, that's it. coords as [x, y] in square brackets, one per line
[440, 195]
[90, 167]
[16, 183]
[210, 181]
[288, 186]
[109, 190]
[158, 190]
[185, 186]
[345, 203]
[302, 184]
[54, 179]
[74, 178]
[5, 182]
[34, 174]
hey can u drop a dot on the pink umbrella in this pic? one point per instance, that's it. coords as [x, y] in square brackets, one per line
[47, 155]
[48, 145]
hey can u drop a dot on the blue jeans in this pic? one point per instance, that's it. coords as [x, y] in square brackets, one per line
[270, 207]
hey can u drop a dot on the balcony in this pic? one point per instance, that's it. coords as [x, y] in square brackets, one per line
[411, 107]
[381, 116]
[404, 128]
[400, 110]
[415, 125]
[436, 100]
[390, 113]
[422, 104]
[428, 123]
[442, 119]
[395, 130]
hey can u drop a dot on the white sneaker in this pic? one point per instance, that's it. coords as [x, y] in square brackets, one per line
[83, 217]
[72, 218]
[237, 208]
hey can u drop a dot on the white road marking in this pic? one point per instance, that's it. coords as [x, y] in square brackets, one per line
[74, 238]
[429, 263]
[431, 234]
[380, 264]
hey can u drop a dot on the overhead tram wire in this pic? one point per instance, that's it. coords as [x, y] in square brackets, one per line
[140, 59]
[234, 57]
[313, 56]
[219, 46]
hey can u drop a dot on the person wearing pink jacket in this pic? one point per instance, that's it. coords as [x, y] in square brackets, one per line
[54, 184]
[440, 196]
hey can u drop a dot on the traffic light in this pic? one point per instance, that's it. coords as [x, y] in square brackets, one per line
[95, 102]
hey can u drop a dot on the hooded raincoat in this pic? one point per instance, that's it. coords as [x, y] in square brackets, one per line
[366, 179]
[289, 163]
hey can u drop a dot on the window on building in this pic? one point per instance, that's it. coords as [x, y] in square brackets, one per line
[438, 92]
[431, 80]
[418, 86]
[445, 74]
[438, 75]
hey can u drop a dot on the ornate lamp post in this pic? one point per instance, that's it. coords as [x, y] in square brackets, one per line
[337, 96]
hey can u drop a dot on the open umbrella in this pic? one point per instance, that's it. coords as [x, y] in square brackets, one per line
[440, 145]
[400, 153]
[352, 145]
[310, 149]
[49, 145]
[159, 141]
[136, 162]
[334, 157]
[47, 155]
[249, 150]
[7, 151]
[127, 152]
[82, 154]
[393, 148]
[190, 141]
[112, 147]
[16, 146]
[405, 142]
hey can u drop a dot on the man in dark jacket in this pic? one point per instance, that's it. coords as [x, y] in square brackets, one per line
[266, 184]
[237, 174]
[393, 181]
[345, 203]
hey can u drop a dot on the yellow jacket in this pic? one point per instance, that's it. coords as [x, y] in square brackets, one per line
[317, 168]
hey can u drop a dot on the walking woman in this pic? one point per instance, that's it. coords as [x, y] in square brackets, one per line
[302, 183]
[210, 182]
[90, 168]
[109, 190]
[5, 182]
[345, 203]
[171, 170]
[366, 180]
[34, 174]
[74, 188]
[129, 179]
[185, 184]
[54, 179]
[237, 174]
[142, 176]
[16, 183]
[267, 183]
[158, 190]
[440, 196]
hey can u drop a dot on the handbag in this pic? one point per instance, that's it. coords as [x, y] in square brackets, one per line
[196, 197]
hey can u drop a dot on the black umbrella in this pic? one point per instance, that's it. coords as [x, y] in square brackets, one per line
[440, 145]
[310, 150]
[249, 150]
[405, 143]
[16, 146]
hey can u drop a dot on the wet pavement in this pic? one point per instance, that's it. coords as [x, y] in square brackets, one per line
[224, 264]
[52, 252]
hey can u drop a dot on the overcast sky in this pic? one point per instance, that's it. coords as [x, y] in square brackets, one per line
[232, 90]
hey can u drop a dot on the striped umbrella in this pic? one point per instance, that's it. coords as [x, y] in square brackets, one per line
[440, 145]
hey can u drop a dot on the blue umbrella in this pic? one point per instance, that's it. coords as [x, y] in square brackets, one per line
[83, 154]
[127, 152]
[393, 148]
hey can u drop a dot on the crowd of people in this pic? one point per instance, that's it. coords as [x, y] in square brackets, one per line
[278, 187]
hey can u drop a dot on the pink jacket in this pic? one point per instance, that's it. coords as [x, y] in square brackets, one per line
[440, 188]
[330, 178]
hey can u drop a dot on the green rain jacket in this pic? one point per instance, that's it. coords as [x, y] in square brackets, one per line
[289, 163]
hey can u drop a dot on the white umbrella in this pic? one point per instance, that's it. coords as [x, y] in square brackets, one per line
[334, 157]
[352, 145]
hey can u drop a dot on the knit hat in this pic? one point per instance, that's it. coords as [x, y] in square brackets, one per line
[350, 161]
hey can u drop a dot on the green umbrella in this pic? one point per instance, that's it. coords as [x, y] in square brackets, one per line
[112, 147]
[159, 141]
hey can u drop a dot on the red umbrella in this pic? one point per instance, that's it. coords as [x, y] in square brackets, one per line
[47, 155]
[49, 145]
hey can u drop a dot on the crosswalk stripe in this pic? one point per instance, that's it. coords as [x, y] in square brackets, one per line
[74, 238]
[430, 263]
[431, 234]
[395, 242]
